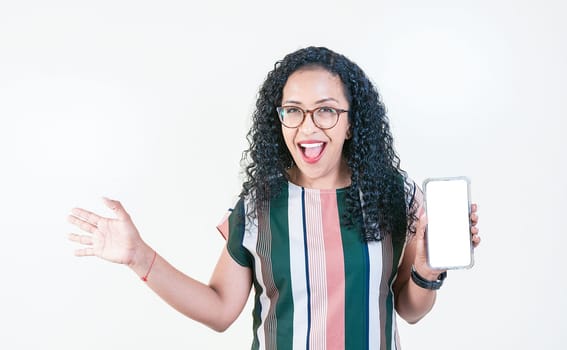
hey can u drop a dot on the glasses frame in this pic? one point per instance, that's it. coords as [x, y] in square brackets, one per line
[312, 112]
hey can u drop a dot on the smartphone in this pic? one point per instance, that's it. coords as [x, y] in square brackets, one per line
[448, 237]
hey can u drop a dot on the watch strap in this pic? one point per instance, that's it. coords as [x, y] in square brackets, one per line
[427, 284]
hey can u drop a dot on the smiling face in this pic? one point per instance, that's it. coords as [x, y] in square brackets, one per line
[317, 153]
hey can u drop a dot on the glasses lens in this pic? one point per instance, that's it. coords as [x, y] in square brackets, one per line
[291, 116]
[326, 117]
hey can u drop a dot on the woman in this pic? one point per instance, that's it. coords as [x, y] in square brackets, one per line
[328, 229]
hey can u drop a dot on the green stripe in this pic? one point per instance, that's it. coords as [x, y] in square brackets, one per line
[395, 247]
[388, 265]
[356, 283]
[236, 221]
[256, 315]
[280, 250]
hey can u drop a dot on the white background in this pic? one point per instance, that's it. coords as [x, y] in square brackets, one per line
[149, 103]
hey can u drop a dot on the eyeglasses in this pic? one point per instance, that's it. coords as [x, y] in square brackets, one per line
[323, 117]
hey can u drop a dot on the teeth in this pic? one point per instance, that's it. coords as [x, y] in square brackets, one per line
[311, 145]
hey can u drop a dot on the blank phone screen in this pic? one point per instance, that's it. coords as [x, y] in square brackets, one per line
[448, 223]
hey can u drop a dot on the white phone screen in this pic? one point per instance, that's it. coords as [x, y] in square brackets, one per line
[448, 235]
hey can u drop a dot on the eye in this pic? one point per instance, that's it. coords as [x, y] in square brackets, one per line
[291, 110]
[327, 110]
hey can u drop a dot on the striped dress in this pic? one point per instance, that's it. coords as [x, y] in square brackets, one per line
[317, 284]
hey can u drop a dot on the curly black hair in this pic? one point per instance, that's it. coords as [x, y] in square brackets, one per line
[379, 189]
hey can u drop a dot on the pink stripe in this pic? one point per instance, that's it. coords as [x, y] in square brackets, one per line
[335, 272]
[317, 276]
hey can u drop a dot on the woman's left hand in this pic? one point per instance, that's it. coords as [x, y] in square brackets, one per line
[474, 230]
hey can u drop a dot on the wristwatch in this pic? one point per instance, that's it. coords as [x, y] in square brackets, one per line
[423, 283]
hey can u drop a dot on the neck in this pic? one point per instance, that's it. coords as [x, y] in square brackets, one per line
[340, 180]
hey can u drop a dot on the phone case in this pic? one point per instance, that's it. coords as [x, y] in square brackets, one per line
[445, 251]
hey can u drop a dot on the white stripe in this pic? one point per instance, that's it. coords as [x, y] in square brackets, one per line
[395, 334]
[297, 267]
[375, 276]
[250, 242]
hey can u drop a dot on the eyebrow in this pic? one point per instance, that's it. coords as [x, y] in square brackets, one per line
[316, 102]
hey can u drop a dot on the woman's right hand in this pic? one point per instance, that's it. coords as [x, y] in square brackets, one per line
[112, 239]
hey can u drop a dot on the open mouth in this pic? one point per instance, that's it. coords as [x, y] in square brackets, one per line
[312, 151]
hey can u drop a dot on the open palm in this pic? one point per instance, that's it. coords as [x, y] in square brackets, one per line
[112, 239]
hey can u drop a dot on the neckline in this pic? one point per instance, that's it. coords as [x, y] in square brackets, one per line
[319, 190]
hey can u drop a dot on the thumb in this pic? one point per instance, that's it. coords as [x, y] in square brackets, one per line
[421, 226]
[116, 207]
[420, 249]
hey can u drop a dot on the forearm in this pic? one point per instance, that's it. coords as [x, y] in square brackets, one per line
[192, 298]
[216, 305]
[414, 302]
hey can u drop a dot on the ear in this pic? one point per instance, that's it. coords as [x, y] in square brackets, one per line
[348, 134]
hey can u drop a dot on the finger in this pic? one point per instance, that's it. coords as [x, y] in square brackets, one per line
[476, 240]
[421, 226]
[82, 239]
[81, 223]
[474, 218]
[117, 208]
[474, 207]
[84, 252]
[474, 230]
[86, 215]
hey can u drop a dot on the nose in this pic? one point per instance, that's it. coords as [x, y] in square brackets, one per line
[308, 125]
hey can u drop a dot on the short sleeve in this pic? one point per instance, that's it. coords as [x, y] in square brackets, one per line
[232, 228]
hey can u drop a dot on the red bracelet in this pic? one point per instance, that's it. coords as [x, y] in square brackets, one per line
[145, 277]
